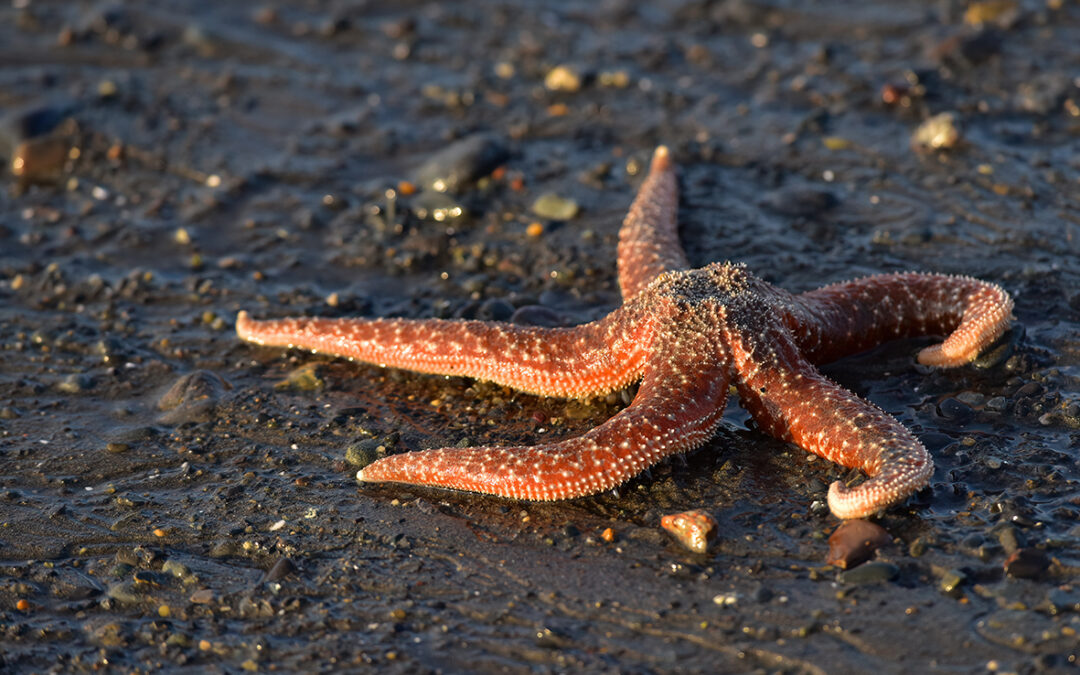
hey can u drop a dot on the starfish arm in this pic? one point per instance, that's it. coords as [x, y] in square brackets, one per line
[849, 317]
[678, 407]
[792, 401]
[649, 241]
[585, 360]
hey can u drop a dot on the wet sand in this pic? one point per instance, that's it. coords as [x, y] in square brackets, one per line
[175, 500]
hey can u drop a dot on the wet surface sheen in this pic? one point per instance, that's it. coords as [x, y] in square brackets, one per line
[156, 472]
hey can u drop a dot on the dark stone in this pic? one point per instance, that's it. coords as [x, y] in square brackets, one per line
[461, 163]
[282, 568]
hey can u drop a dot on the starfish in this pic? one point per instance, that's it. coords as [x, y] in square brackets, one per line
[687, 335]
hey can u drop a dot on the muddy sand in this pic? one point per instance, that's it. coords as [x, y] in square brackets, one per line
[174, 500]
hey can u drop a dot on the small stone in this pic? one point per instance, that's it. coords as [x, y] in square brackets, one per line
[564, 78]
[30, 122]
[554, 207]
[869, 573]
[971, 398]
[223, 549]
[192, 398]
[693, 529]
[966, 50]
[461, 163]
[537, 315]
[956, 410]
[41, 160]
[305, 378]
[282, 568]
[495, 309]
[1027, 563]
[1002, 348]
[123, 592]
[176, 568]
[117, 448]
[203, 596]
[952, 581]
[799, 202]
[854, 542]
[364, 452]
[1029, 389]
[111, 635]
[436, 206]
[8, 413]
[615, 79]
[939, 132]
[75, 383]
[1003, 13]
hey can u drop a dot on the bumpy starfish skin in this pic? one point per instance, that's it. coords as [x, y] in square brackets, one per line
[686, 334]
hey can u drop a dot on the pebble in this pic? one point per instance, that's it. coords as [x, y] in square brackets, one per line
[693, 529]
[75, 384]
[364, 452]
[1003, 13]
[870, 573]
[799, 202]
[192, 398]
[436, 206]
[224, 549]
[123, 592]
[41, 160]
[282, 568]
[854, 542]
[1029, 389]
[177, 569]
[554, 207]
[537, 315]
[495, 309]
[1000, 351]
[968, 49]
[952, 582]
[972, 398]
[203, 596]
[955, 410]
[1027, 563]
[939, 132]
[30, 122]
[111, 635]
[1043, 93]
[305, 378]
[564, 78]
[461, 163]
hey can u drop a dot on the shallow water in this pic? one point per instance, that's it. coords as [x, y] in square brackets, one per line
[237, 155]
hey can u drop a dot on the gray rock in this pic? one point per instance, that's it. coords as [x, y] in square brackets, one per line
[461, 163]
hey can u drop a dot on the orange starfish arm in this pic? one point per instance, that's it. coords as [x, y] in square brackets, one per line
[849, 317]
[649, 239]
[792, 401]
[586, 360]
[678, 407]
